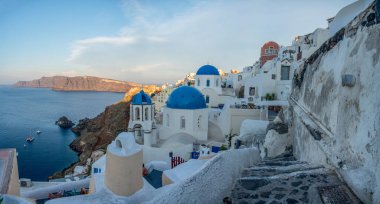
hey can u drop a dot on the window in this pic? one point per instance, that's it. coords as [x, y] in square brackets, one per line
[146, 112]
[240, 78]
[207, 99]
[167, 120]
[137, 113]
[273, 76]
[271, 51]
[252, 91]
[183, 122]
[118, 144]
[217, 82]
[208, 82]
[198, 82]
[285, 72]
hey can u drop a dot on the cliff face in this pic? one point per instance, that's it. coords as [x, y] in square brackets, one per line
[335, 107]
[95, 134]
[79, 83]
[149, 89]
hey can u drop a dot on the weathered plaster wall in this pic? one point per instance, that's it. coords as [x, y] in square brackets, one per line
[336, 125]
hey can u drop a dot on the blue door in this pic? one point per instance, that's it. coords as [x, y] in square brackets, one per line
[207, 99]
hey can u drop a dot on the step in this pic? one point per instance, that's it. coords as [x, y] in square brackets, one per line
[265, 171]
[283, 157]
[312, 173]
[290, 158]
[279, 163]
[294, 187]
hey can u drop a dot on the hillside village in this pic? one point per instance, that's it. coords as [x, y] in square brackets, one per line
[300, 125]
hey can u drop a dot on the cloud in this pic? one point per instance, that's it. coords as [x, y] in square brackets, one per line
[81, 46]
[164, 42]
[107, 40]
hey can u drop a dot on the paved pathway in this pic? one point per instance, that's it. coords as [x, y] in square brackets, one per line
[285, 180]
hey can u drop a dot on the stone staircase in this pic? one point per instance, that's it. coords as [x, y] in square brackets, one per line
[285, 180]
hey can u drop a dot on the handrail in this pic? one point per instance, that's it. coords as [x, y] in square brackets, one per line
[313, 118]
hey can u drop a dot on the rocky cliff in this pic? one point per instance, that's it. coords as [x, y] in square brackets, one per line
[95, 134]
[79, 83]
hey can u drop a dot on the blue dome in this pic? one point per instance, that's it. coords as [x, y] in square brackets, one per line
[186, 97]
[141, 98]
[207, 70]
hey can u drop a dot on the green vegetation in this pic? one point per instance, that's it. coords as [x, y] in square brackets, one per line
[270, 96]
[229, 138]
[223, 148]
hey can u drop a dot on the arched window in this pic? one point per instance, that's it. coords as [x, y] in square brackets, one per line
[146, 113]
[137, 113]
[208, 82]
[183, 122]
[167, 120]
[207, 99]
[152, 113]
[198, 82]
[217, 82]
[199, 121]
[118, 144]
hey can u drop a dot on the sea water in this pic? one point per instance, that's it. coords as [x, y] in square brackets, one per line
[23, 111]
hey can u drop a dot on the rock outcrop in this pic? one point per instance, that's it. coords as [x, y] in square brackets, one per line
[95, 134]
[64, 122]
[79, 83]
[148, 89]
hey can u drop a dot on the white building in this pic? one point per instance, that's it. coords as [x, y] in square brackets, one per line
[141, 120]
[121, 167]
[208, 81]
[308, 44]
[185, 113]
[161, 97]
[274, 79]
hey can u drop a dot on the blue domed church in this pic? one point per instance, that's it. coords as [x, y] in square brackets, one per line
[185, 113]
[141, 120]
[208, 81]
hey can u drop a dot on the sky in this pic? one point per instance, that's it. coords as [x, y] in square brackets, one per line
[146, 41]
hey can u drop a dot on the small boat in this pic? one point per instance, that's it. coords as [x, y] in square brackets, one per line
[29, 139]
[38, 132]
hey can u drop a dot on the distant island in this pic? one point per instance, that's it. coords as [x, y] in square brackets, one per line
[79, 83]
